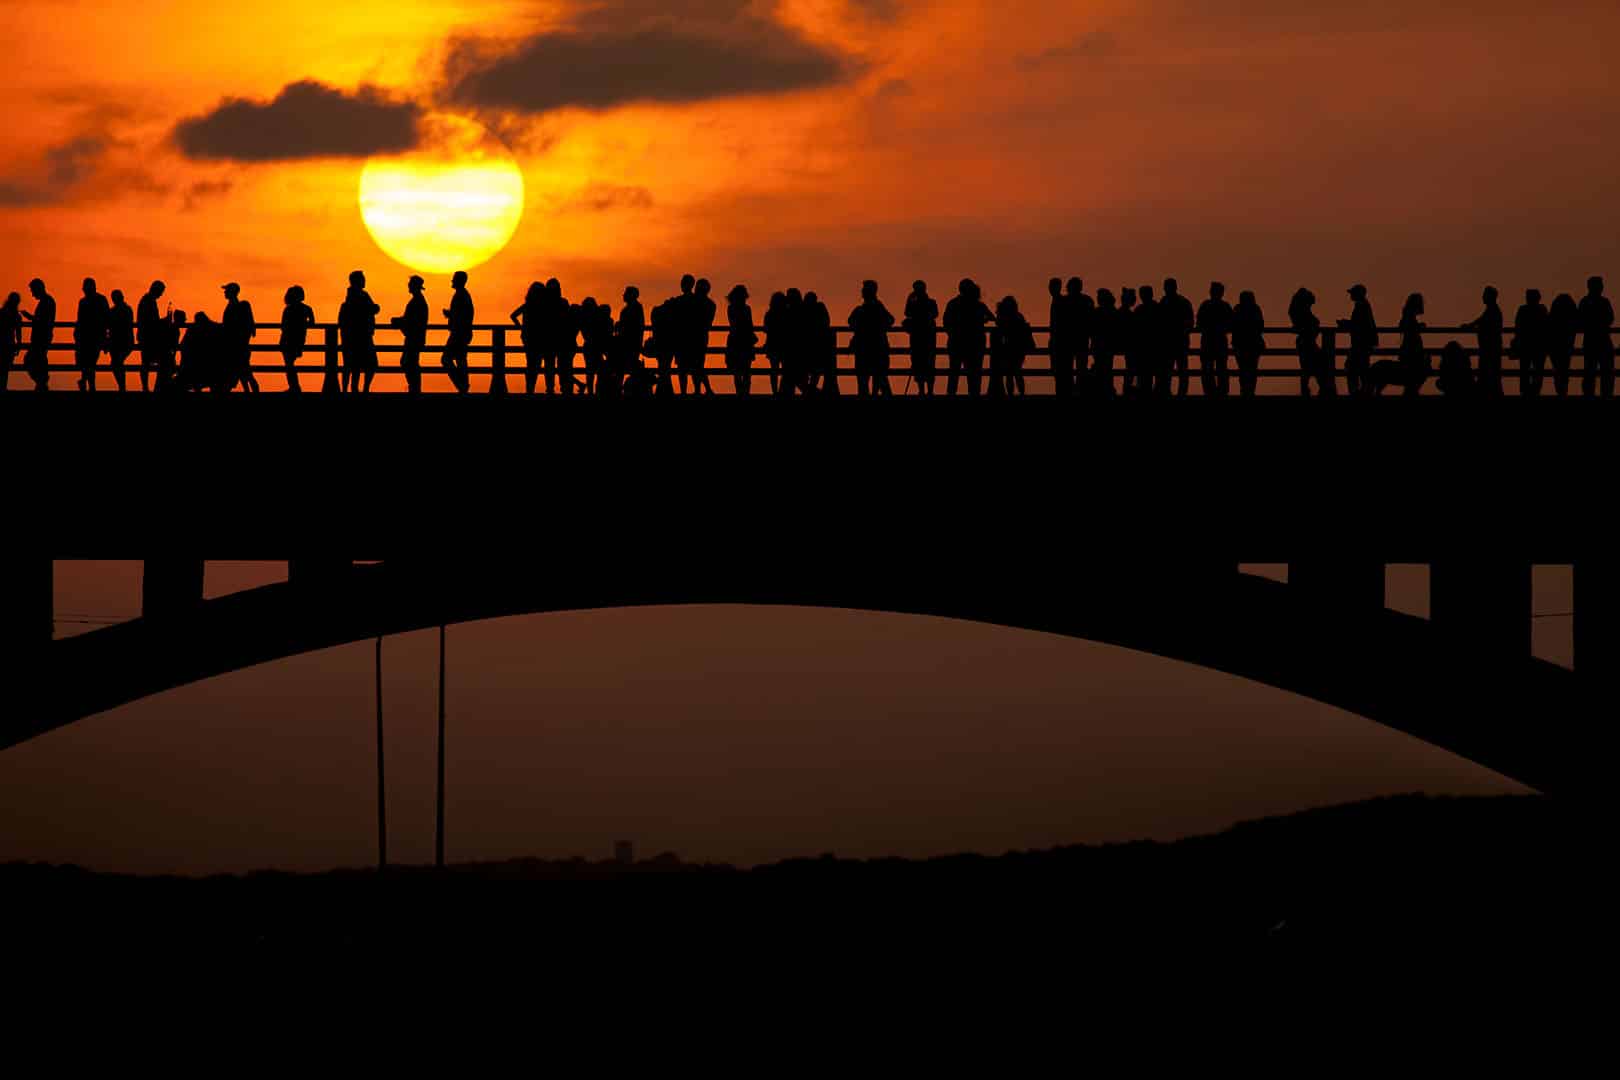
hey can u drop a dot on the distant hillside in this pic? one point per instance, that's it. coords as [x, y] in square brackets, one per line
[1508, 866]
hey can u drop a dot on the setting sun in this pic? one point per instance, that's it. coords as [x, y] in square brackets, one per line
[449, 209]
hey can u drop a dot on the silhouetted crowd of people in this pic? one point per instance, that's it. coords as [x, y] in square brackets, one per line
[1136, 345]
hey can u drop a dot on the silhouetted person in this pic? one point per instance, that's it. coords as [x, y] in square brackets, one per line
[10, 336]
[412, 325]
[1488, 328]
[921, 324]
[89, 333]
[1307, 329]
[740, 340]
[168, 369]
[596, 342]
[1248, 341]
[1597, 340]
[1456, 375]
[1082, 325]
[153, 332]
[869, 326]
[704, 311]
[296, 319]
[660, 343]
[564, 336]
[1059, 339]
[460, 317]
[682, 318]
[200, 361]
[1011, 342]
[1105, 343]
[1563, 323]
[1214, 341]
[530, 319]
[120, 336]
[1530, 343]
[628, 337]
[965, 319]
[1363, 328]
[1176, 311]
[775, 325]
[237, 331]
[1137, 379]
[357, 323]
[823, 344]
[37, 360]
[1411, 371]
[558, 334]
[1147, 339]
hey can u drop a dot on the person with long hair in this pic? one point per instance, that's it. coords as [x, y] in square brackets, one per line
[530, 319]
[740, 340]
[1307, 330]
[1563, 323]
[776, 345]
[10, 336]
[1105, 330]
[1011, 342]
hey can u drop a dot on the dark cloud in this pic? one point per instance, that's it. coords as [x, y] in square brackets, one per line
[60, 171]
[599, 197]
[1096, 45]
[633, 51]
[882, 10]
[202, 190]
[305, 120]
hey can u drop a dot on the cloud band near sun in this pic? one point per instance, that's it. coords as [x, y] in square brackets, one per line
[307, 119]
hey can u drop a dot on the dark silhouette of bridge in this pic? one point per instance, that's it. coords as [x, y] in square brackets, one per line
[1123, 523]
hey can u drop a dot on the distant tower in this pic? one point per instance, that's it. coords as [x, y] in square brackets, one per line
[624, 852]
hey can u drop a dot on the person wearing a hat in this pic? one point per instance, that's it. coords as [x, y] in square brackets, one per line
[237, 331]
[1363, 330]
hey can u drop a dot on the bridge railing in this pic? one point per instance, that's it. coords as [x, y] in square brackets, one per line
[502, 345]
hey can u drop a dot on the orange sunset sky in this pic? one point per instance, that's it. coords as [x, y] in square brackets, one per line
[817, 142]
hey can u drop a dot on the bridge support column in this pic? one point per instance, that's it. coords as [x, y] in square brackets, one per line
[1597, 619]
[27, 587]
[170, 586]
[1484, 603]
[1344, 583]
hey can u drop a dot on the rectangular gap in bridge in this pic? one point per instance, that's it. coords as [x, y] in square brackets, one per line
[1406, 588]
[1552, 636]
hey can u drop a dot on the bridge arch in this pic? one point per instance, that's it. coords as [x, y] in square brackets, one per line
[1516, 715]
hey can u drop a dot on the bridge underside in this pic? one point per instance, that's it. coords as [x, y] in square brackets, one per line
[1120, 522]
[1525, 718]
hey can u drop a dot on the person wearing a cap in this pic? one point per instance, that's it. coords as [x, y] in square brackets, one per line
[1363, 341]
[236, 335]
